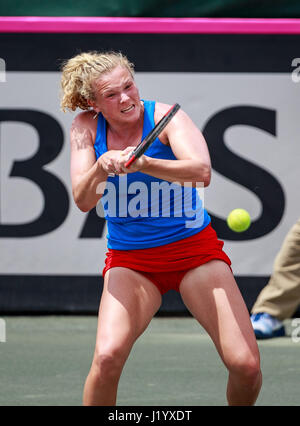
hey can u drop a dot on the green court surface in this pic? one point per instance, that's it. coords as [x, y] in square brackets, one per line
[44, 362]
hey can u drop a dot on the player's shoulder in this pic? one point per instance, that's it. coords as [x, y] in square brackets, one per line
[161, 109]
[84, 119]
[83, 128]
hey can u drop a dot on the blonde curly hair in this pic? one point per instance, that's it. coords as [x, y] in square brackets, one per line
[80, 72]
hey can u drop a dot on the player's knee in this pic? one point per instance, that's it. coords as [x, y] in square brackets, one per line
[108, 364]
[247, 368]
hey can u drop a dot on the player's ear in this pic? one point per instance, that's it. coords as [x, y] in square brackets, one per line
[92, 104]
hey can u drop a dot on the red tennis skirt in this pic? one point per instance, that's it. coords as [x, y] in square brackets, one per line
[166, 265]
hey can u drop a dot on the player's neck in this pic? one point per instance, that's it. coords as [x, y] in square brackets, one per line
[127, 132]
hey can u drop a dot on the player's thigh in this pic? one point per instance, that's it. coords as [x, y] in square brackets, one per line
[212, 296]
[128, 303]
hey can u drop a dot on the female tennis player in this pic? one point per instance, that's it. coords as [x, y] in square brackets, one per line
[149, 251]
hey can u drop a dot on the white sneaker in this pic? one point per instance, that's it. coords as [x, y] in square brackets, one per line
[266, 326]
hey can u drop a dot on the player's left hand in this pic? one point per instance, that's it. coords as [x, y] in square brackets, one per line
[136, 166]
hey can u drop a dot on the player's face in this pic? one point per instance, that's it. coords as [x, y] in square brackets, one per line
[117, 96]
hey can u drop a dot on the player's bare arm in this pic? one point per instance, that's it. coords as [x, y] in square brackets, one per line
[86, 171]
[188, 146]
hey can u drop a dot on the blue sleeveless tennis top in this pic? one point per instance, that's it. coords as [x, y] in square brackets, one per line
[143, 211]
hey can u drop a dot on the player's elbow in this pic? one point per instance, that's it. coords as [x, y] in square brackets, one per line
[203, 174]
[206, 175]
[81, 202]
[81, 205]
[83, 208]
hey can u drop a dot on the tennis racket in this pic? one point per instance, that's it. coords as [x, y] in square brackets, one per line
[150, 138]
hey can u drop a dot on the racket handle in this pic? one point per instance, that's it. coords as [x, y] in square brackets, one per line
[130, 161]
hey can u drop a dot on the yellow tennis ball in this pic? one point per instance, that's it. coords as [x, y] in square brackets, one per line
[239, 220]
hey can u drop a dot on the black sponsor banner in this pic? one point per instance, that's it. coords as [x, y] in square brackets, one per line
[242, 53]
[69, 294]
